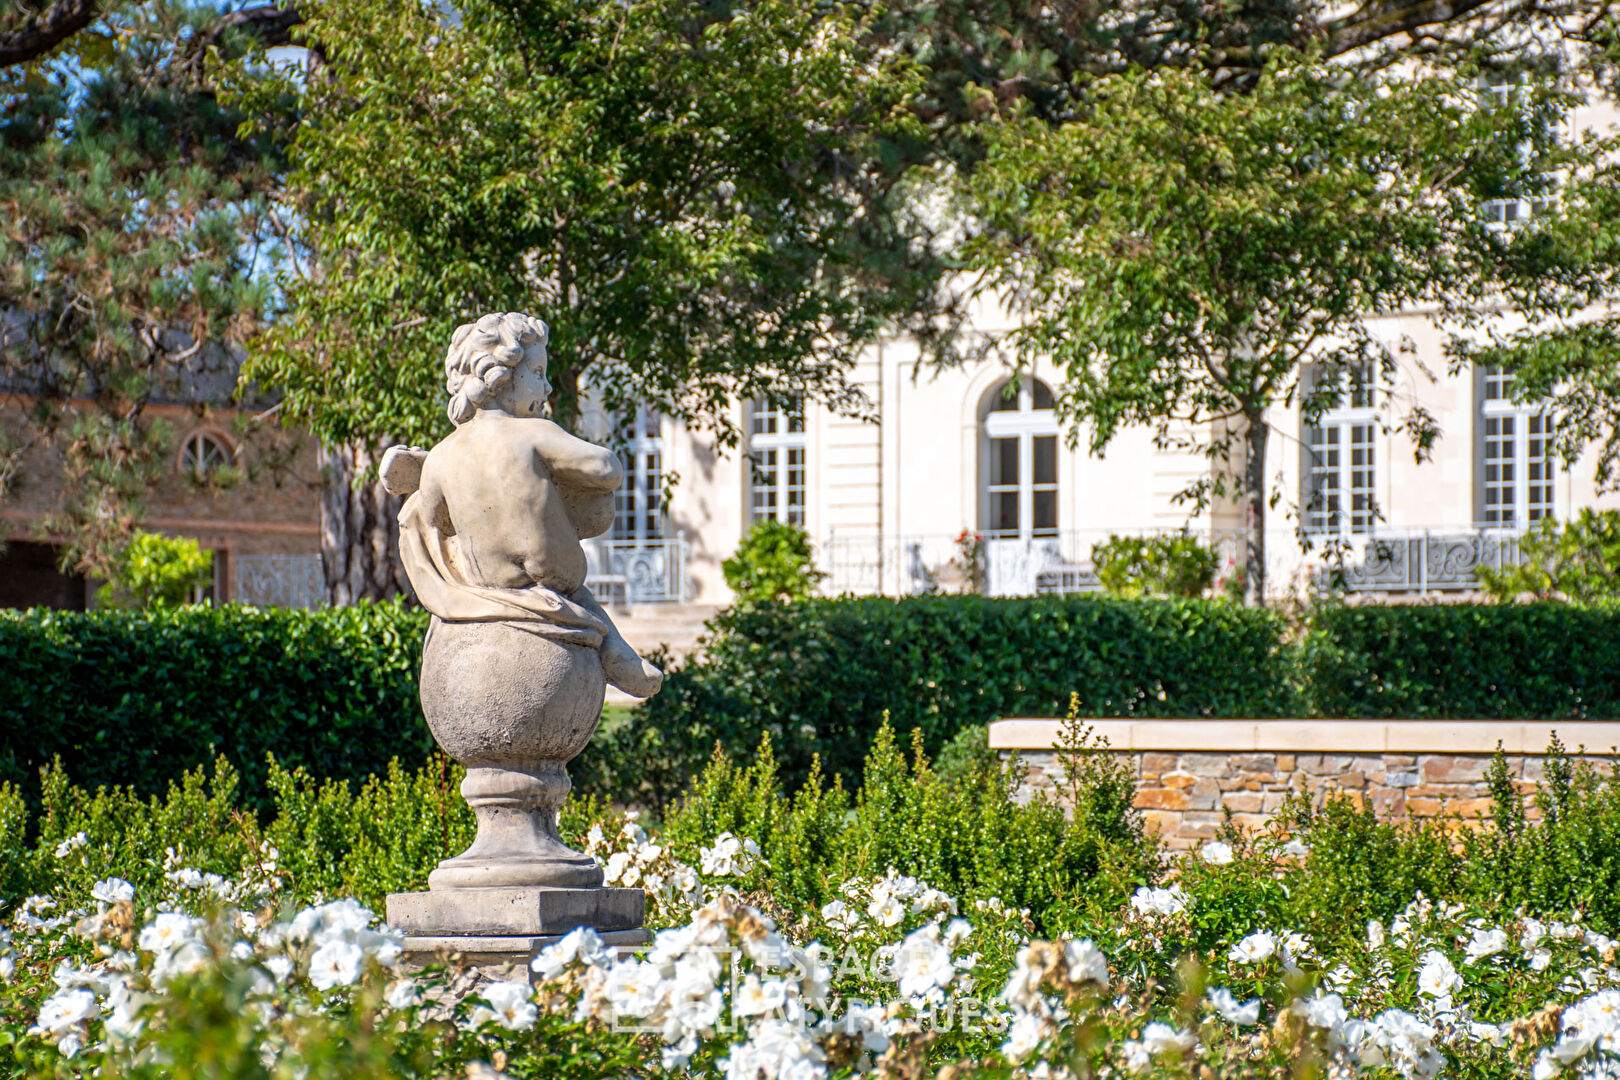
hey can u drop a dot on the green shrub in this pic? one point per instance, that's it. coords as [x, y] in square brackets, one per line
[1504, 662]
[1566, 860]
[82, 836]
[773, 564]
[1578, 561]
[319, 838]
[1072, 857]
[157, 571]
[1360, 868]
[134, 698]
[137, 698]
[816, 675]
[1355, 868]
[1177, 565]
[966, 834]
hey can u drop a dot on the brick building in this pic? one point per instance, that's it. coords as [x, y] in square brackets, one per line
[253, 501]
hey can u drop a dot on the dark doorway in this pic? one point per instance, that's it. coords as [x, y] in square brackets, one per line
[29, 578]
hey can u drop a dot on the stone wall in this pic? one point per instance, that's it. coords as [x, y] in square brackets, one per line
[1433, 769]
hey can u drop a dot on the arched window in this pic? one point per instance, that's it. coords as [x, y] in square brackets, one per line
[1019, 455]
[638, 505]
[776, 445]
[203, 454]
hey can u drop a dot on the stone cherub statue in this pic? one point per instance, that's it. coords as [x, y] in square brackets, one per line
[518, 652]
[496, 512]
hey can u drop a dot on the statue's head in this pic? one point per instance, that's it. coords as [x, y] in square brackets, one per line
[485, 358]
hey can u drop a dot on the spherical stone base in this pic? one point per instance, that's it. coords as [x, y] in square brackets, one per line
[497, 695]
[514, 708]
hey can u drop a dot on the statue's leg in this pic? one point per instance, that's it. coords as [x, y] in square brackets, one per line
[622, 665]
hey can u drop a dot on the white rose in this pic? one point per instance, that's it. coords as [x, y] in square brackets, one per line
[1253, 949]
[507, 1004]
[336, 963]
[1233, 1013]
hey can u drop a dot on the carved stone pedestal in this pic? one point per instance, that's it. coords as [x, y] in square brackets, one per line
[499, 930]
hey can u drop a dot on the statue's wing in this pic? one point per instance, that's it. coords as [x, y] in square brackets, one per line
[401, 469]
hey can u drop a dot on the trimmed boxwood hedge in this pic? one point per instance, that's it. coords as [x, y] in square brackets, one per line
[1461, 661]
[135, 698]
[818, 675]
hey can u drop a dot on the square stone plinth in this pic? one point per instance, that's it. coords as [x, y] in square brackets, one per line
[530, 911]
[493, 934]
[503, 956]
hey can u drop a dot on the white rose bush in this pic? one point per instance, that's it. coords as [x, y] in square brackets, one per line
[933, 928]
[892, 978]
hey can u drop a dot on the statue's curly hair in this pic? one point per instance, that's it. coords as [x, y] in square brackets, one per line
[481, 358]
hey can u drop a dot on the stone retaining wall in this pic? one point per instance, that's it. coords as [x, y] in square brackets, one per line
[1190, 772]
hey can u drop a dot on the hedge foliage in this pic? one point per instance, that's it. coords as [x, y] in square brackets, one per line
[818, 675]
[135, 698]
[1490, 662]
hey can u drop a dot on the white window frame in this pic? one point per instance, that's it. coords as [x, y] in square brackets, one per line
[778, 488]
[1532, 483]
[1350, 426]
[203, 453]
[1024, 425]
[1500, 88]
[638, 505]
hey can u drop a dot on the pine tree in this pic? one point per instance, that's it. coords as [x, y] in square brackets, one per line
[135, 238]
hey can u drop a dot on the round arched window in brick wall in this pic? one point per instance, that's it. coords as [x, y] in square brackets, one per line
[204, 453]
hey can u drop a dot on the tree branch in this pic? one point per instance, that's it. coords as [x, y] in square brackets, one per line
[271, 23]
[46, 30]
[1379, 20]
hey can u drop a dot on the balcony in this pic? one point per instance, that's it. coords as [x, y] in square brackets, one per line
[629, 572]
[1425, 561]
[1439, 560]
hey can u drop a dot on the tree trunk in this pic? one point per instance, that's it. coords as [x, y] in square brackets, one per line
[359, 528]
[1254, 509]
[565, 397]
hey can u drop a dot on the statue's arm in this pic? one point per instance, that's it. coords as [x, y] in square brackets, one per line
[427, 506]
[401, 469]
[576, 464]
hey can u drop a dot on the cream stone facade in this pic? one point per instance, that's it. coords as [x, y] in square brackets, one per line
[886, 497]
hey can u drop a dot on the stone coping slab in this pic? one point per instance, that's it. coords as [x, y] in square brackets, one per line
[496, 957]
[1320, 736]
[515, 910]
[509, 946]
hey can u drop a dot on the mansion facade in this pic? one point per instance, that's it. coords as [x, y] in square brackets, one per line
[953, 479]
[962, 467]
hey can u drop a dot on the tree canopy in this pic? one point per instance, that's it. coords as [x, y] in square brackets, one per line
[715, 200]
[1564, 275]
[134, 237]
[1181, 253]
[688, 194]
